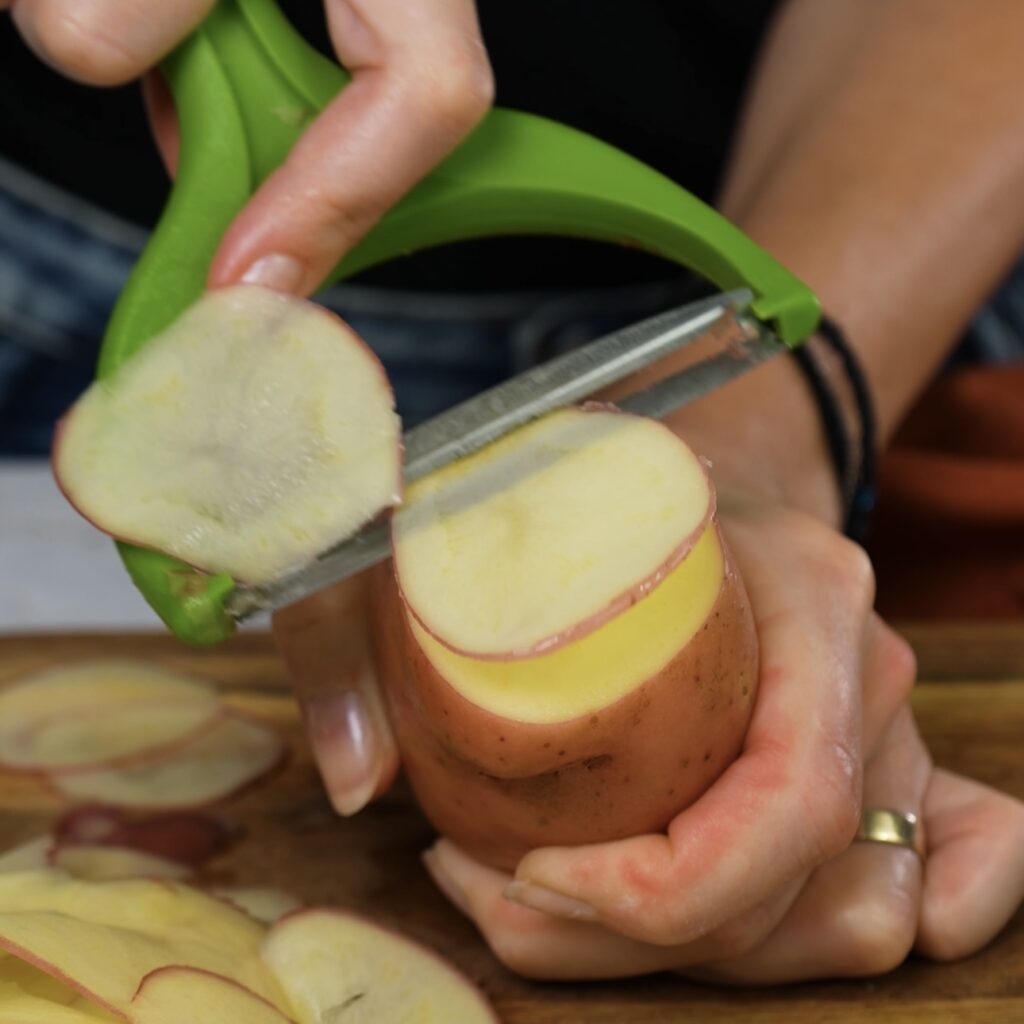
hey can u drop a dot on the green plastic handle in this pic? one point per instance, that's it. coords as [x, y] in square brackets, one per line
[245, 85]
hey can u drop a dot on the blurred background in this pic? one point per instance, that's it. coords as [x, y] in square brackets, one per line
[81, 186]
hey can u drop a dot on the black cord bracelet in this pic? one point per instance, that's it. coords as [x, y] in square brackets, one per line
[854, 457]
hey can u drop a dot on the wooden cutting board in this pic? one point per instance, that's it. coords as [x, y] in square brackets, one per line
[973, 722]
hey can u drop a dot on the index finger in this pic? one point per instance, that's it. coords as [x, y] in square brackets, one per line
[420, 82]
[792, 798]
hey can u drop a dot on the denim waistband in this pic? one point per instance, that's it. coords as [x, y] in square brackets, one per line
[63, 264]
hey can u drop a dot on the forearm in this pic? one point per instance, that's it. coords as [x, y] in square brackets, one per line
[882, 162]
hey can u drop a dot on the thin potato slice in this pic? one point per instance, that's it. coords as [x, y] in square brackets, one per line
[20, 1007]
[103, 938]
[264, 905]
[27, 856]
[110, 863]
[31, 981]
[250, 436]
[107, 736]
[177, 995]
[336, 966]
[506, 553]
[233, 754]
[67, 701]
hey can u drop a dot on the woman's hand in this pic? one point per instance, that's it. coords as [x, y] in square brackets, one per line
[859, 913]
[420, 81]
[729, 867]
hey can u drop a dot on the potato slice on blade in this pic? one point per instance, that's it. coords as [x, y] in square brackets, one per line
[250, 436]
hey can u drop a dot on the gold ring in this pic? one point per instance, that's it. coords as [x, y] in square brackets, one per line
[892, 828]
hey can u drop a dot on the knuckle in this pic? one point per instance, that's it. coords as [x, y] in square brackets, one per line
[73, 37]
[850, 567]
[877, 933]
[743, 934]
[515, 940]
[838, 562]
[900, 663]
[834, 803]
[661, 927]
[514, 953]
[350, 216]
[663, 924]
[943, 941]
[461, 84]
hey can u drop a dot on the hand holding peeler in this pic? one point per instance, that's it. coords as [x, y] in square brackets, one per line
[245, 84]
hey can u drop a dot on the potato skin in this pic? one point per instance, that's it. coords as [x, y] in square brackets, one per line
[500, 788]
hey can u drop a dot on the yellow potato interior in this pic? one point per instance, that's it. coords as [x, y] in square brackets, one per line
[18, 1006]
[110, 863]
[107, 936]
[20, 977]
[594, 672]
[173, 995]
[540, 536]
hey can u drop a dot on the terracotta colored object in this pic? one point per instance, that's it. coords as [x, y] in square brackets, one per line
[948, 533]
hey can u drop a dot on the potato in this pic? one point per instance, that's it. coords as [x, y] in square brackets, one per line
[602, 736]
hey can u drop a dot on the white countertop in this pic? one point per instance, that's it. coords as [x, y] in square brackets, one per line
[58, 573]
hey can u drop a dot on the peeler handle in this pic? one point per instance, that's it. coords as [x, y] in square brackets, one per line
[245, 85]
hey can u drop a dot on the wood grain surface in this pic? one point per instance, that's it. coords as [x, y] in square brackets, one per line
[974, 723]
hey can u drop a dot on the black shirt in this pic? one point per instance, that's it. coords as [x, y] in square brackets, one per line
[662, 79]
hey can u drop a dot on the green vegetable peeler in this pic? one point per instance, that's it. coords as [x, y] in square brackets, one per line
[245, 84]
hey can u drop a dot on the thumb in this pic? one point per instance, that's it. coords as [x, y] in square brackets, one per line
[325, 643]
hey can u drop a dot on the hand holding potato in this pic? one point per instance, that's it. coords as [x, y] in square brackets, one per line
[758, 882]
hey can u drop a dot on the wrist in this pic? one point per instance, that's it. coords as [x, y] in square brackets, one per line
[762, 435]
[762, 432]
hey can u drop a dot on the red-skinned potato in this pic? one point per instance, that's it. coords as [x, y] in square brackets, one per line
[609, 725]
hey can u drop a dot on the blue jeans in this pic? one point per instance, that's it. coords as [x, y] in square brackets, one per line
[63, 264]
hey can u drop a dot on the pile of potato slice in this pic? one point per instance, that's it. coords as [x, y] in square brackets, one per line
[160, 951]
[100, 919]
[132, 734]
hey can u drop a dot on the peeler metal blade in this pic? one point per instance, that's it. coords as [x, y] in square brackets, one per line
[562, 381]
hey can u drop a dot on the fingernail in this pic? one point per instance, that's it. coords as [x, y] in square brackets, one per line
[536, 897]
[444, 881]
[277, 271]
[346, 749]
